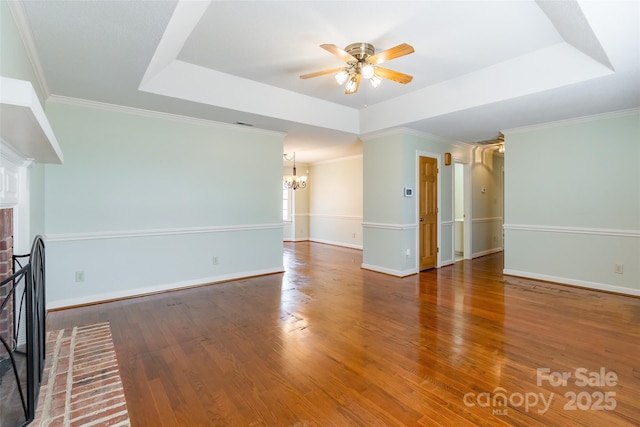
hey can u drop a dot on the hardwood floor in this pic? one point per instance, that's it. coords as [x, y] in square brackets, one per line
[330, 344]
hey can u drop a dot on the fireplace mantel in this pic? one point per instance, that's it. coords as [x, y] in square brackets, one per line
[23, 123]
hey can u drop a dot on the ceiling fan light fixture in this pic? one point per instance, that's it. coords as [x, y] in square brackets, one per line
[342, 77]
[352, 84]
[367, 71]
[364, 63]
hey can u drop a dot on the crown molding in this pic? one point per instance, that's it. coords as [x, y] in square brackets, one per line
[22, 23]
[340, 159]
[9, 154]
[85, 103]
[420, 134]
[573, 121]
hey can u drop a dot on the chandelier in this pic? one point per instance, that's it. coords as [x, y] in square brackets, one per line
[293, 182]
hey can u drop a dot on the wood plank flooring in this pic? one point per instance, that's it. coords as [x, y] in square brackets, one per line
[330, 344]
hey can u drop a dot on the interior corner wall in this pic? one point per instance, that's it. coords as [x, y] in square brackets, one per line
[144, 204]
[572, 198]
[486, 201]
[14, 59]
[15, 63]
[36, 202]
[389, 218]
[335, 202]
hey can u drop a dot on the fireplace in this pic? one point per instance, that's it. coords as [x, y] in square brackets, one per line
[6, 270]
[22, 326]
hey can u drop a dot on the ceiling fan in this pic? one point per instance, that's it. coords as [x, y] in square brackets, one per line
[363, 62]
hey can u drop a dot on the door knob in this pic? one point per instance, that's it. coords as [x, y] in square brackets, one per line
[421, 219]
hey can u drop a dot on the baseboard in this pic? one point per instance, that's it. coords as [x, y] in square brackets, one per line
[296, 239]
[487, 252]
[573, 282]
[150, 290]
[397, 273]
[331, 242]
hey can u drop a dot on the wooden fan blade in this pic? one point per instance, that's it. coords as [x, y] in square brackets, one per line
[393, 75]
[356, 86]
[389, 54]
[331, 48]
[321, 73]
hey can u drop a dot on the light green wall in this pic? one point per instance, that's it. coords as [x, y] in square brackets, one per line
[154, 191]
[573, 202]
[166, 174]
[578, 175]
[383, 181]
[389, 218]
[36, 203]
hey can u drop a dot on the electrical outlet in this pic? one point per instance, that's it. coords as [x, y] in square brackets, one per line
[353, 235]
[214, 260]
[79, 276]
[618, 268]
[407, 253]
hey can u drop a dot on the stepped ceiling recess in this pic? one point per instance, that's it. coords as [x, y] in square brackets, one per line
[478, 67]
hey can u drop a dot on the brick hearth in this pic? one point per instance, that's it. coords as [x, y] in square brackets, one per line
[6, 270]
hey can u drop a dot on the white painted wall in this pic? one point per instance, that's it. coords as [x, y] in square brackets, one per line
[301, 206]
[297, 229]
[144, 203]
[335, 202]
[573, 202]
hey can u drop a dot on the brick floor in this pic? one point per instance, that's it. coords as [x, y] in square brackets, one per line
[81, 384]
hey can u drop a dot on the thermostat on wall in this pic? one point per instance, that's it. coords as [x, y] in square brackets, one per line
[408, 192]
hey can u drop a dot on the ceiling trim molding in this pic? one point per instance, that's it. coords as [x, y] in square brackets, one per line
[572, 121]
[13, 156]
[77, 102]
[339, 159]
[185, 17]
[418, 133]
[22, 23]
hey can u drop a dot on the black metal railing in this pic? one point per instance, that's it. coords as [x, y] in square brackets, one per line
[23, 350]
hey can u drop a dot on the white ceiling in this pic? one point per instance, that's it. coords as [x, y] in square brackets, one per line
[479, 67]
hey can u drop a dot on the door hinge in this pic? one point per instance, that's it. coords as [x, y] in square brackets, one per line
[437, 250]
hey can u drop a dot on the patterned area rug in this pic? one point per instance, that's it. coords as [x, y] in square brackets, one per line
[81, 384]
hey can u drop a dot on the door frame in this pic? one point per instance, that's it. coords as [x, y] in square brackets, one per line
[416, 180]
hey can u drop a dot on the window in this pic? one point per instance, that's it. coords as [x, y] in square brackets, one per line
[286, 204]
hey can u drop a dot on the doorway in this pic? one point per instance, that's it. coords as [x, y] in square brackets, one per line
[458, 212]
[428, 213]
[462, 207]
